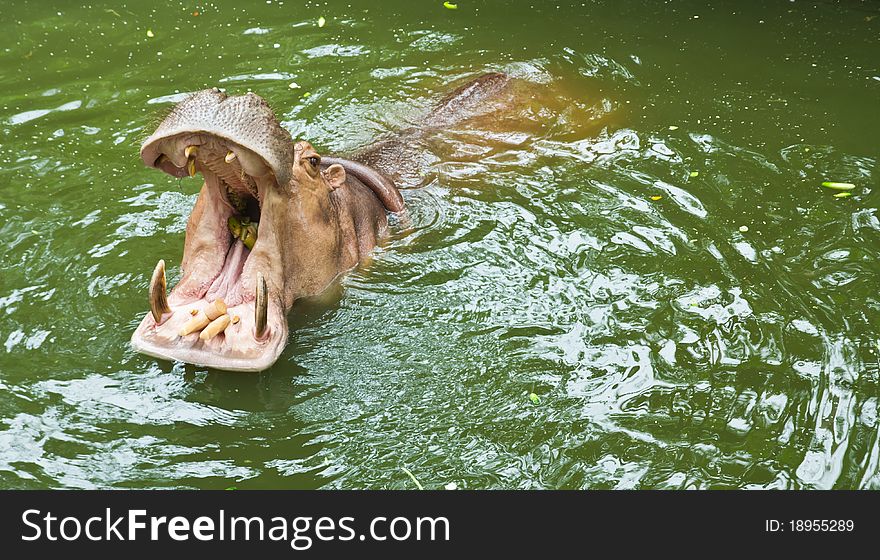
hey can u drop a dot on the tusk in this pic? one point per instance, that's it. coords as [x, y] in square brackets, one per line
[229, 156]
[261, 310]
[190, 153]
[217, 326]
[202, 319]
[158, 300]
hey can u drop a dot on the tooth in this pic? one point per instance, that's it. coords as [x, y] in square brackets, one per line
[158, 300]
[217, 326]
[197, 323]
[234, 226]
[261, 310]
[249, 236]
[201, 320]
[229, 156]
[217, 308]
[190, 153]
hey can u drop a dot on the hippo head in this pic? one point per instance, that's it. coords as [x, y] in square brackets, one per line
[262, 233]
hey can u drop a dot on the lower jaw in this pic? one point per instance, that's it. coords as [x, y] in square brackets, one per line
[237, 347]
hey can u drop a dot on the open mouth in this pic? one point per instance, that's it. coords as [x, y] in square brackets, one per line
[224, 312]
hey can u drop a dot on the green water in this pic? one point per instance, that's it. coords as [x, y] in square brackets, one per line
[667, 348]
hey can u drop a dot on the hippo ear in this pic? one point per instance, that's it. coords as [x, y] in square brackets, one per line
[335, 176]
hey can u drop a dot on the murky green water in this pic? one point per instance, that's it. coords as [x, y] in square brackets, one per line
[667, 348]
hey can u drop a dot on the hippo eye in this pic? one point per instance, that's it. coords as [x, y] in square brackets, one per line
[315, 160]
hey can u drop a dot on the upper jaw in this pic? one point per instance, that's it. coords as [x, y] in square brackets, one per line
[245, 122]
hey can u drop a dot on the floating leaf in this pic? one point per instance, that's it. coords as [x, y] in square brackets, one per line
[842, 194]
[321, 21]
[744, 229]
[232, 488]
[694, 173]
[656, 197]
[839, 186]
[534, 398]
[450, 6]
[412, 476]
[150, 33]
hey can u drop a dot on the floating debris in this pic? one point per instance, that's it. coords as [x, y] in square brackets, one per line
[842, 194]
[656, 197]
[321, 21]
[412, 476]
[534, 398]
[293, 85]
[673, 127]
[839, 186]
[695, 173]
[450, 6]
[451, 486]
[150, 33]
[743, 229]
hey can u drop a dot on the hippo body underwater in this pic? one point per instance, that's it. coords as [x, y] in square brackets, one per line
[274, 221]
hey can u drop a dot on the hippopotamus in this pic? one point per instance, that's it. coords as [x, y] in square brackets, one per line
[274, 221]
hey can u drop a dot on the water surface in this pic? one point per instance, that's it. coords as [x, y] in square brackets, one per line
[723, 335]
